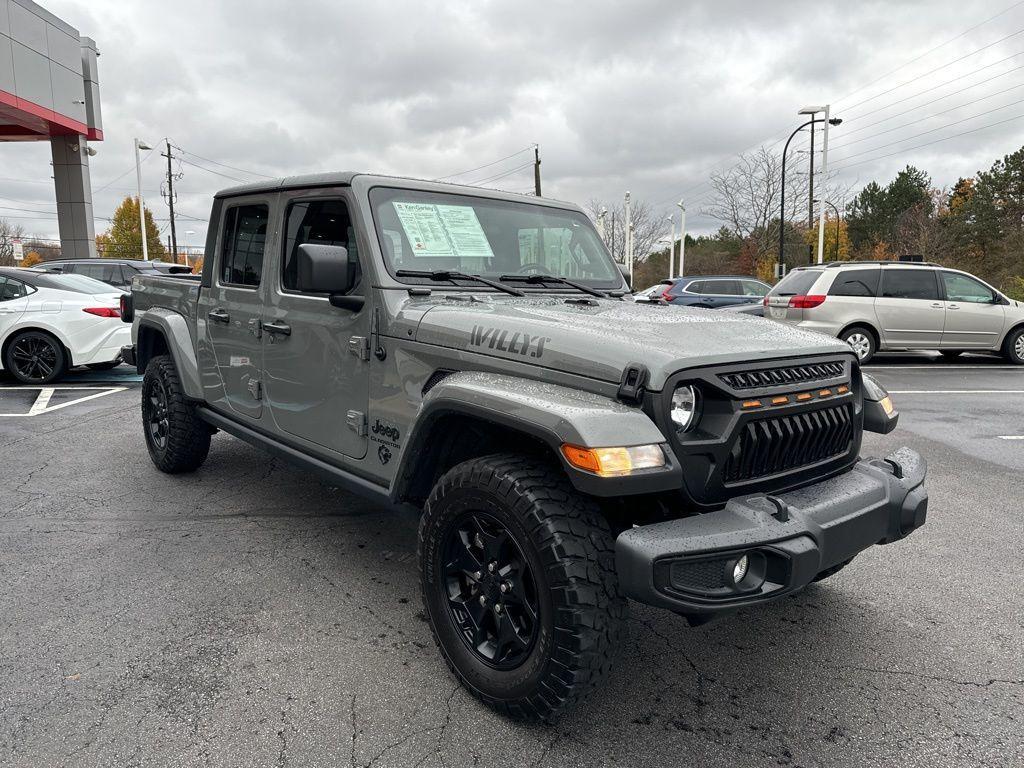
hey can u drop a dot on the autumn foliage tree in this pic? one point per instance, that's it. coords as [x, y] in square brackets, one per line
[124, 240]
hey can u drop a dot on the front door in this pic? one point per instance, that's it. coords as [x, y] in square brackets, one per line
[973, 318]
[316, 356]
[13, 302]
[909, 309]
[232, 308]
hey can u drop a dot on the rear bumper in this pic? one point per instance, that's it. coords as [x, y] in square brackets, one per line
[686, 565]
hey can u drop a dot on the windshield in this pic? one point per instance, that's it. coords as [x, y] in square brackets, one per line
[434, 231]
[75, 283]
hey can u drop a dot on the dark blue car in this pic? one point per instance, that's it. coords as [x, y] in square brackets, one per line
[712, 290]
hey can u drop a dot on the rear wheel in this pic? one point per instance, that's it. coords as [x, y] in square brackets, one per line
[519, 584]
[177, 439]
[1013, 347]
[862, 341]
[35, 357]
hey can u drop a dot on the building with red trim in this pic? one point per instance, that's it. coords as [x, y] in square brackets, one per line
[49, 91]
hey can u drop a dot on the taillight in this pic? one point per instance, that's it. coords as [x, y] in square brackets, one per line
[102, 311]
[806, 302]
[667, 293]
[764, 301]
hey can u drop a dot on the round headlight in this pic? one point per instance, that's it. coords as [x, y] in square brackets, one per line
[684, 407]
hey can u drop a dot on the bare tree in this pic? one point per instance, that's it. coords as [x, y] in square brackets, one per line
[648, 228]
[8, 234]
[746, 196]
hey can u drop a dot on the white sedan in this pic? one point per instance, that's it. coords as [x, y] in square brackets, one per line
[51, 322]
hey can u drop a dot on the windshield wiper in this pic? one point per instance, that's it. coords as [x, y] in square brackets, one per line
[451, 276]
[535, 279]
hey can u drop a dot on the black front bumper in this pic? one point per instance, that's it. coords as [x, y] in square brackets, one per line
[686, 565]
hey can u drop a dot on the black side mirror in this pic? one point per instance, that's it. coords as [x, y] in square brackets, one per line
[325, 269]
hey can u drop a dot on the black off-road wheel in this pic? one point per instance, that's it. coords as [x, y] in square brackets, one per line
[519, 585]
[35, 357]
[177, 439]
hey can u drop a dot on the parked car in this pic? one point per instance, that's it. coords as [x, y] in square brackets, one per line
[565, 448]
[713, 291]
[892, 305]
[115, 272]
[654, 293]
[51, 322]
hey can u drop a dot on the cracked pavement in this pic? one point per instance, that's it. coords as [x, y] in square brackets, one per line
[249, 615]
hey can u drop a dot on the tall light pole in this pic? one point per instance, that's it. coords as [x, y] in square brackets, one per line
[838, 228]
[141, 145]
[629, 237]
[824, 168]
[600, 221]
[682, 238]
[671, 245]
[782, 187]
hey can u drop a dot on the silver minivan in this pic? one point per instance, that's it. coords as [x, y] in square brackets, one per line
[900, 305]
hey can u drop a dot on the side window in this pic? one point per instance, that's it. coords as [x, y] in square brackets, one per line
[325, 222]
[721, 287]
[855, 282]
[909, 284]
[750, 288]
[245, 235]
[12, 289]
[966, 289]
[697, 286]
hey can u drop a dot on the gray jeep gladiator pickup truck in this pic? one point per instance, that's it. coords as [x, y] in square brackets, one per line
[470, 353]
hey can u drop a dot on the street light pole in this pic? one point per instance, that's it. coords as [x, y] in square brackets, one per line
[671, 245]
[782, 186]
[838, 228]
[628, 224]
[824, 168]
[682, 238]
[142, 206]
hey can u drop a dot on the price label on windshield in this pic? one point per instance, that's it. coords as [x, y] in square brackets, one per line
[443, 230]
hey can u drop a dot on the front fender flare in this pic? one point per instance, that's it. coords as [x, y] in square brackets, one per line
[551, 413]
[175, 330]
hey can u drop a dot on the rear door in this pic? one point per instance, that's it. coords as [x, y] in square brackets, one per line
[13, 301]
[909, 308]
[316, 356]
[799, 282]
[231, 310]
[973, 318]
[719, 293]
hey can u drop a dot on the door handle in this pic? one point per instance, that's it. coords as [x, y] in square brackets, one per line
[219, 315]
[277, 327]
[937, 305]
[952, 306]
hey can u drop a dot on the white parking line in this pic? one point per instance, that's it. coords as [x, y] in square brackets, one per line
[956, 391]
[1010, 437]
[42, 401]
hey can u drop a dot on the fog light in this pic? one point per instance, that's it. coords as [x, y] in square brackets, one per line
[739, 569]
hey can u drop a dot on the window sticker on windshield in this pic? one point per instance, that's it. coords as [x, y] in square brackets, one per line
[443, 230]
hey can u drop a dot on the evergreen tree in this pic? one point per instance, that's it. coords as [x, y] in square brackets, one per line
[124, 241]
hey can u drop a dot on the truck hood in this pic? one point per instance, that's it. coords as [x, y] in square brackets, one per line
[599, 338]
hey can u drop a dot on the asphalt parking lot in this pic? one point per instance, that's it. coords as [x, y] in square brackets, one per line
[250, 615]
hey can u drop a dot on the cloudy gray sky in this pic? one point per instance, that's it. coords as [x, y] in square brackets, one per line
[646, 95]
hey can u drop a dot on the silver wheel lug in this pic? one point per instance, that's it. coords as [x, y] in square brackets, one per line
[483, 599]
[492, 567]
[504, 586]
[478, 575]
[498, 608]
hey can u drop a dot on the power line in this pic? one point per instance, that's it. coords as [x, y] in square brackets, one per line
[501, 175]
[233, 167]
[929, 143]
[933, 71]
[931, 130]
[215, 173]
[932, 50]
[933, 101]
[488, 165]
[121, 176]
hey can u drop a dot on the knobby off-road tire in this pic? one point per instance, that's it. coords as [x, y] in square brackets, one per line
[177, 439]
[568, 554]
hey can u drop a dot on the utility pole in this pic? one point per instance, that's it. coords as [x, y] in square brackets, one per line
[142, 206]
[536, 169]
[170, 202]
[628, 224]
[824, 168]
[682, 238]
[671, 245]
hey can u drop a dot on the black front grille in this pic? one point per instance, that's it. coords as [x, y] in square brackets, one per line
[791, 374]
[777, 444]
